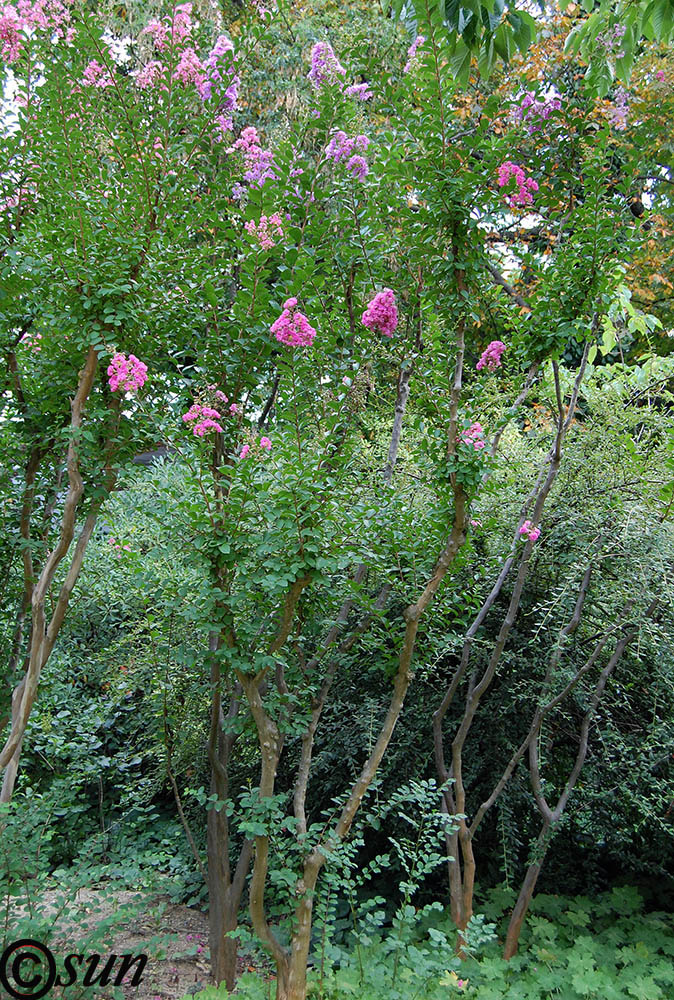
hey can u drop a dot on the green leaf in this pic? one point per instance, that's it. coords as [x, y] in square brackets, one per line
[211, 296]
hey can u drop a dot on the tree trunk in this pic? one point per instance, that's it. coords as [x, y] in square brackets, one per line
[9, 779]
[520, 909]
[223, 949]
[301, 940]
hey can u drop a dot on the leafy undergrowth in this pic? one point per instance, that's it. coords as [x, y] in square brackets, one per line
[605, 948]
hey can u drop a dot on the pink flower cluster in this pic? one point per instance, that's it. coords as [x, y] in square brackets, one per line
[150, 75]
[325, 66]
[473, 436]
[491, 356]
[412, 52]
[10, 34]
[127, 374]
[215, 76]
[259, 162]
[382, 313]
[96, 75]
[263, 230]
[119, 548]
[18, 22]
[262, 10]
[178, 30]
[190, 70]
[533, 113]
[533, 534]
[205, 418]
[292, 327]
[342, 149]
[525, 185]
[31, 340]
[264, 444]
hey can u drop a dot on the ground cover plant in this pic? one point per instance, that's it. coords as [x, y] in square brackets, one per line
[338, 484]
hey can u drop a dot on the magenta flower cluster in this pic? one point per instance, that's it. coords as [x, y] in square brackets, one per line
[292, 327]
[525, 185]
[128, 374]
[268, 231]
[473, 436]
[118, 547]
[533, 112]
[412, 52]
[348, 151]
[491, 356]
[31, 340]
[264, 445]
[528, 530]
[205, 418]
[382, 313]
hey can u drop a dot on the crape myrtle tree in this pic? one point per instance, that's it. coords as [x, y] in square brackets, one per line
[169, 276]
[358, 253]
[581, 220]
[105, 176]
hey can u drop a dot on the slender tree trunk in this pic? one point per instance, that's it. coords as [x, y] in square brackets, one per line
[44, 632]
[9, 779]
[223, 950]
[301, 942]
[224, 889]
[524, 899]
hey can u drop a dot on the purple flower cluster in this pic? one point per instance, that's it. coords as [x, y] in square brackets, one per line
[227, 86]
[325, 66]
[359, 91]
[612, 40]
[617, 115]
[412, 53]
[327, 71]
[533, 113]
[343, 149]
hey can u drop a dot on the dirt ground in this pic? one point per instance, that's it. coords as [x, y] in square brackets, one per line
[173, 936]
